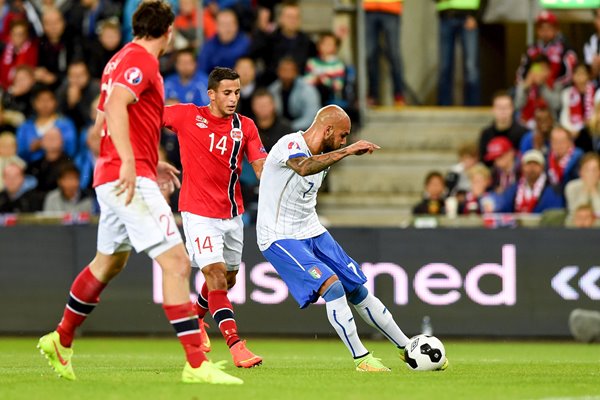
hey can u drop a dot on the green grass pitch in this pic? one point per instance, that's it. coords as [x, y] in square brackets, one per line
[117, 368]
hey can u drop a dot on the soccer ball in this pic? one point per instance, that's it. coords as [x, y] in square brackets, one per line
[424, 353]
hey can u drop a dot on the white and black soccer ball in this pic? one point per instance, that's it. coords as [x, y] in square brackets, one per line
[424, 353]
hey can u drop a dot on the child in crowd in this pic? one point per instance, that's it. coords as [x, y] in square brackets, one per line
[327, 72]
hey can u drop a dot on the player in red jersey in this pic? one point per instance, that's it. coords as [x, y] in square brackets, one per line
[133, 210]
[213, 140]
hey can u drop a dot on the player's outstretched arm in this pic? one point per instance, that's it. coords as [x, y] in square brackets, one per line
[305, 166]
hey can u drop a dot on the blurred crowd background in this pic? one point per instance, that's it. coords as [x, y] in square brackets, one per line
[539, 153]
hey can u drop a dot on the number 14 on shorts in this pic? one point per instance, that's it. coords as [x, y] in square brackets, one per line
[206, 244]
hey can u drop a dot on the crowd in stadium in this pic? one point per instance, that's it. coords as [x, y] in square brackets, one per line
[538, 154]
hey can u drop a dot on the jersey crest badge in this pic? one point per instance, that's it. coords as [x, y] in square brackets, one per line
[315, 272]
[236, 134]
[133, 75]
[201, 122]
[293, 145]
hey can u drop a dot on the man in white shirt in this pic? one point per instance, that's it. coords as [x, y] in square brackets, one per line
[305, 255]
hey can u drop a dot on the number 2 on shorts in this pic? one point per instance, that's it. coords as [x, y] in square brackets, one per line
[206, 244]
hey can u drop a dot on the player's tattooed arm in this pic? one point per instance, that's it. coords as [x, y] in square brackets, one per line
[305, 166]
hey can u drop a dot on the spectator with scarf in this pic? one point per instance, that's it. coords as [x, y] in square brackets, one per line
[534, 92]
[533, 193]
[563, 158]
[551, 44]
[577, 107]
[539, 138]
[19, 50]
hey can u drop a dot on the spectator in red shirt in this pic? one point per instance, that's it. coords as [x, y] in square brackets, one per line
[19, 50]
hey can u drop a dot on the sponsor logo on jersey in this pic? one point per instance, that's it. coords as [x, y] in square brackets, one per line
[133, 75]
[236, 134]
[315, 272]
[201, 122]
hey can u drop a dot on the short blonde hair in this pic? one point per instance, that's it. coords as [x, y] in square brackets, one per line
[479, 169]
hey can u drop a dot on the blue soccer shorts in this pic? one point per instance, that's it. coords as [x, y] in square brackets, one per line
[304, 265]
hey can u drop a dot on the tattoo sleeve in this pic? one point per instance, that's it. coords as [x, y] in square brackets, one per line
[305, 166]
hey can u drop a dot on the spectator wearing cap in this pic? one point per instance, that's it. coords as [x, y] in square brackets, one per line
[591, 49]
[533, 193]
[501, 153]
[534, 92]
[503, 125]
[577, 107]
[19, 193]
[563, 158]
[29, 135]
[433, 196]
[226, 47]
[68, 197]
[585, 189]
[539, 137]
[552, 44]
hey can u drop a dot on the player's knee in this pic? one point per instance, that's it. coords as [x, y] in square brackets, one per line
[358, 295]
[215, 277]
[334, 291]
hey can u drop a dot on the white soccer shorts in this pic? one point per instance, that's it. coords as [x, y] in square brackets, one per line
[213, 240]
[146, 224]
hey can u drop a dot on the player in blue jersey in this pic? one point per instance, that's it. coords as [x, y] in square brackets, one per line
[305, 255]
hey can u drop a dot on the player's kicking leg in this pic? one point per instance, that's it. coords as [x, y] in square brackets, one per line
[340, 317]
[374, 313]
[84, 295]
[307, 278]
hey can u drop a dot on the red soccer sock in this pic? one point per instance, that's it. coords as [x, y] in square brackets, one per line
[184, 320]
[222, 312]
[201, 305]
[83, 297]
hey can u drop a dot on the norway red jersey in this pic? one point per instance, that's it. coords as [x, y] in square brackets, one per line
[136, 70]
[212, 151]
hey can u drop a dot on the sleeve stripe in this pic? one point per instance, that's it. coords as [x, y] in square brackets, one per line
[297, 155]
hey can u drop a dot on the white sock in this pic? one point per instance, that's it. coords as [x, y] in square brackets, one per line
[340, 317]
[372, 310]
